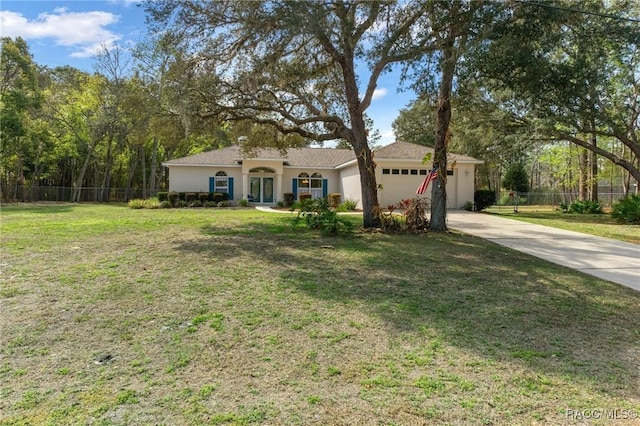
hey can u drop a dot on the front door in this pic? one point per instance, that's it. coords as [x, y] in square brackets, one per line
[261, 189]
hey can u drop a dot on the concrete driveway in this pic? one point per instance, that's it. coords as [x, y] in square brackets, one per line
[604, 258]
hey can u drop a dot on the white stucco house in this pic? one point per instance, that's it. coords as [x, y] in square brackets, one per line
[264, 177]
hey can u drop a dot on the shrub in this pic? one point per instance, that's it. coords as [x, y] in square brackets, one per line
[585, 206]
[136, 204]
[348, 205]
[317, 214]
[484, 198]
[289, 199]
[415, 214]
[243, 202]
[388, 221]
[190, 197]
[280, 204]
[217, 197]
[173, 198]
[468, 206]
[210, 204]
[516, 178]
[165, 204]
[181, 203]
[195, 203]
[335, 199]
[509, 200]
[304, 197]
[182, 196]
[627, 210]
[203, 197]
[163, 196]
[224, 203]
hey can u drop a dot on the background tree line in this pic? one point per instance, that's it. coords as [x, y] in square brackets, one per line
[551, 87]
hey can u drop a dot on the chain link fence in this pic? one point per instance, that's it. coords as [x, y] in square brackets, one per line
[28, 194]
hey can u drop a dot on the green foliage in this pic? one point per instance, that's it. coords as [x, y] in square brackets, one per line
[468, 206]
[190, 197]
[210, 204]
[243, 202]
[585, 206]
[627, 210]
[347, 206]
[203, 197]
[484, 198]
[305, 196]
[195, 203]
[224, 203]
[173, 198]
[510, 200]
[218, 197]
[289, 199]
[516, 178]
[163, 196]
[317, 214]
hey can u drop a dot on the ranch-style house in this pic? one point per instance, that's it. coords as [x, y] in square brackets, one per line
[267, 175]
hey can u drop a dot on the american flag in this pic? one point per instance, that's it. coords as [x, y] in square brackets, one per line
[432, 175]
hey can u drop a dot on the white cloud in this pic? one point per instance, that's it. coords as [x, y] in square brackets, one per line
[84, 32]
[379, 93]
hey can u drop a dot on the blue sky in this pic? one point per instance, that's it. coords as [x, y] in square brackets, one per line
[71, 32]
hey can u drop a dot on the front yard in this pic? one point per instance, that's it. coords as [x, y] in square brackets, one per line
[113, 316]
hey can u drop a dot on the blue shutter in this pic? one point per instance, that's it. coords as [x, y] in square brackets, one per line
[212, 184]
[230, 186]
[325, 188]
[294, 187]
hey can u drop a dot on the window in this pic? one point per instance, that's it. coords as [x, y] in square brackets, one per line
[310, 184]
[395, 171]
[221, 182]
[449, 172]
[386, 171]
[423, 172]
[414, 171]
[405, 171]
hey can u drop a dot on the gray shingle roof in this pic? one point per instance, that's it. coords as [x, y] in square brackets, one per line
[309, 157]
[230, 156]
[405, 150]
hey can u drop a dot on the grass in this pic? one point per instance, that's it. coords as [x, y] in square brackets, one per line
[113, 316]
[602, 225]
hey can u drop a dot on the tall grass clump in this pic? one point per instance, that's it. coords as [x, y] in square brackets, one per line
[151, 203]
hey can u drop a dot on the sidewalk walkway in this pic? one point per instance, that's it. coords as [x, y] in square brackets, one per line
[604, 258]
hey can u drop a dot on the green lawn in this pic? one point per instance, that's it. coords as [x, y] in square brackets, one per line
[602, 225]
[112, 316]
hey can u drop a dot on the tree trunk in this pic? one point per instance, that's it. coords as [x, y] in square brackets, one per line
[438, 220]
[593, 162]
[77, 189]
[584, 175]
[154, 167]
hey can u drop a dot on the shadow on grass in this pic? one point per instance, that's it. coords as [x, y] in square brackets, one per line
[38, 208]
[480, 297]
